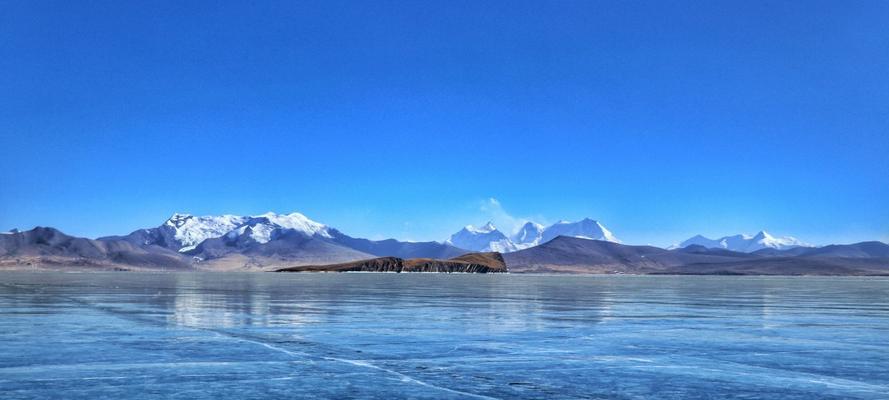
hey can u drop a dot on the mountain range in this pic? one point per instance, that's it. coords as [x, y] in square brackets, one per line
[278, 241]
[582, 256]
[235, 242]
[745, 243]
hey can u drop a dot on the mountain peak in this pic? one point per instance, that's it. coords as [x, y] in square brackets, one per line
[272, 215]
[178, 219]
[762, 235]
[586, 228]
[486, 238]
[293, 221]
[486, 228]
[528, 235]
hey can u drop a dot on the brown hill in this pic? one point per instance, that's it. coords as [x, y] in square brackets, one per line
[48, 248]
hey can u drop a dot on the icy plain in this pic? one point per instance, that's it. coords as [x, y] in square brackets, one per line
[264, 335]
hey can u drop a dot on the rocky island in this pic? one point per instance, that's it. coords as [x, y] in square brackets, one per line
[478, 263]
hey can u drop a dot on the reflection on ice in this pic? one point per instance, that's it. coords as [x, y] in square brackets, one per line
[244, 305]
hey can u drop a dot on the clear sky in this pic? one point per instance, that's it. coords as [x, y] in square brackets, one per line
[411, 119]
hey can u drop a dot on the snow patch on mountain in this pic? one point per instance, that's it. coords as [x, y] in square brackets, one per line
[190, 231]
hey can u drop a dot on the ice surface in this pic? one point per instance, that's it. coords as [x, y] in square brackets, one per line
[430, 336]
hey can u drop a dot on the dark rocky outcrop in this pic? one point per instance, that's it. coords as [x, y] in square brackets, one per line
[481, 263]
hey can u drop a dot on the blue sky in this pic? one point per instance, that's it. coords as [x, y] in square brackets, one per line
[412, 119]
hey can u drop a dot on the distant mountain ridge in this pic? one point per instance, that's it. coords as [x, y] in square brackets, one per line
[583, 256]
[745, 243]
[489, 238]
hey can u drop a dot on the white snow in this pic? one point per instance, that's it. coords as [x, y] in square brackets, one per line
[296, 221]
[488, 228]
[190, 231]
[501, 246]
[528, 235]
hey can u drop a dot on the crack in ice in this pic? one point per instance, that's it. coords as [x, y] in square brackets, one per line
[243, 338]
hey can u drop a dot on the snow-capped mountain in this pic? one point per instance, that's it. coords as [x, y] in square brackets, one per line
[285, 237]
[266, 227]
[486, 238]
[190, 231]
[528, 235]
[585, 229]
[184, 232]
[745, 243]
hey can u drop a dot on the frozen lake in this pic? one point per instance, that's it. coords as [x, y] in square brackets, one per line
[264, 335]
